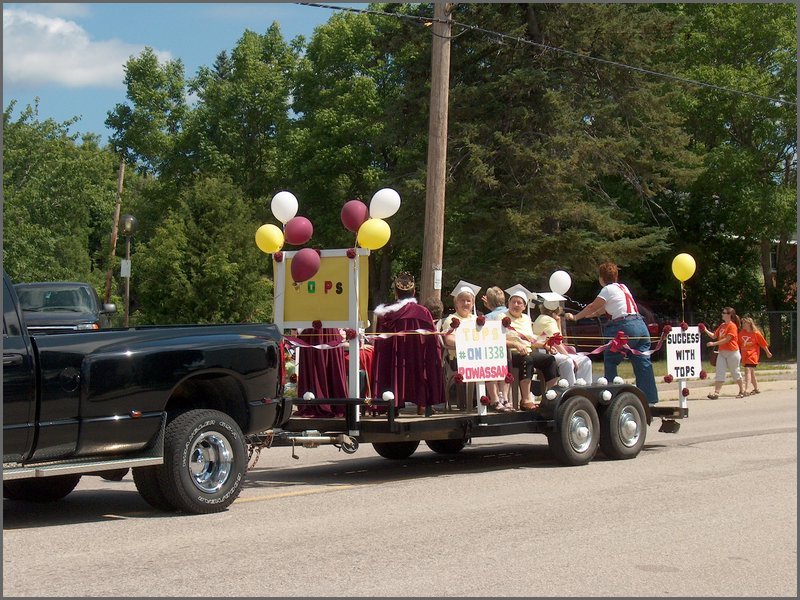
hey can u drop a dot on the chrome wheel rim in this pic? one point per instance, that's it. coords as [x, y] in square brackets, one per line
[580, 431]
[210, 461]
[629, 427]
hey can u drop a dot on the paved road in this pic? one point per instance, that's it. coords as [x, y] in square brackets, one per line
[711, 511]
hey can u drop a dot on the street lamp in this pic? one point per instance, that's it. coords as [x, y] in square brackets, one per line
[128, 225]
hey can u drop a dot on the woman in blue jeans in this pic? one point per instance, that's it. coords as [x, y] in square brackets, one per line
[616, 300]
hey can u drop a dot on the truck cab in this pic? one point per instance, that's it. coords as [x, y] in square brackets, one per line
[62, 306]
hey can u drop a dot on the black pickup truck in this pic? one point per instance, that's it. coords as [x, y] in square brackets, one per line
[173, 403]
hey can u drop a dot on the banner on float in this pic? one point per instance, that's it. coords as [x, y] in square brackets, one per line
[683, 353]
[336, 296]
[481, 351]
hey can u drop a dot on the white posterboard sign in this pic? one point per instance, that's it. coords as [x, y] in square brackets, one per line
[683, 353]
[481, 351]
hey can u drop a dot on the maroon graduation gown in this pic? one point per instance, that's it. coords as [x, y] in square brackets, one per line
[410, 366]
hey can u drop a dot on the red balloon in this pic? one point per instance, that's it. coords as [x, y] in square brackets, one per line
[298, 231]
[305, 265]
[354, 213]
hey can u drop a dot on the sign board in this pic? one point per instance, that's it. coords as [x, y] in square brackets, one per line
[683, 353]
[336, 295]
[125, 268]
[481, 351]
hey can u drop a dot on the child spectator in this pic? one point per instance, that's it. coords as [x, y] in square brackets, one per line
[751, 340]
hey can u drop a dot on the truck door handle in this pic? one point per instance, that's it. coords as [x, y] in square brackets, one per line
[12, 360]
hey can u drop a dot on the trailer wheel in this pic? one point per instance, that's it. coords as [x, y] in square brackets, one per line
[40, 489]
[623, 427]
[146, 480]
[205, 459]
[395, 450]
[575, 440]
[446, 446]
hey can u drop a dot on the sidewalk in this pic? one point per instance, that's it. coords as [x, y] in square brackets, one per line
[779, 377]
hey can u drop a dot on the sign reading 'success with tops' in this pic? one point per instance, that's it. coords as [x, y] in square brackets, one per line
[683, 353]
[481, 351]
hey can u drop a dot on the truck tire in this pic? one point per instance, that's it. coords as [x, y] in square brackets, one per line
[623, 427]
[395, 450]
[575, 440]
[40, 489]
[446, 446]
[205, 459]
[146, 480]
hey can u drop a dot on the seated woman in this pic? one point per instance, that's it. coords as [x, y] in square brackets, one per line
[498, 391]
[464, 302]
[410, 366]
[570, 366]
[520, 340]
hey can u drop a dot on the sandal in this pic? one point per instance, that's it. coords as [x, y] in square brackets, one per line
[755, 392]
[741, 395]
[713, 396]
[528, 406]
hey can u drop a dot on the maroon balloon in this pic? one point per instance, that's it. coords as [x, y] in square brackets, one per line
[354, 213]
[305, 265]
[298, 231]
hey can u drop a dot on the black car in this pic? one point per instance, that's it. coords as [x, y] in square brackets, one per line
[62, 307]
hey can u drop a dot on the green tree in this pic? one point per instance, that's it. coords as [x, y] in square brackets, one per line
[241, 118]
[201, 264]
[555, 158]
[744, 207]
[146, 131]
[56, 191]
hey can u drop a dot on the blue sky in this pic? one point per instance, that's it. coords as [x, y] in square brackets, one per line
[71, 55]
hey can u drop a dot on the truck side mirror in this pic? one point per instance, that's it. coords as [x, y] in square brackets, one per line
[109, 309]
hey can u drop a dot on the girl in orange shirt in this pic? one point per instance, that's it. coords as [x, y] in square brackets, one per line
[751, 340]
[726, 339]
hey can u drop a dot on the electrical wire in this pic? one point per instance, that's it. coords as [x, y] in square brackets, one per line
[506, 37]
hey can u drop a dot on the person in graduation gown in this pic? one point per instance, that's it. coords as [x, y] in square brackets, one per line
[410, 366]
[322, 372]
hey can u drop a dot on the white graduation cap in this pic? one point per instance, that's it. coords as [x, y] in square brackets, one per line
[550, 299]
[522, 292]
[466, 287]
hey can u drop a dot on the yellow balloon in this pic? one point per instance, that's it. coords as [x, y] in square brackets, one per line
[373, 234]
[269, 238]
[683, 266]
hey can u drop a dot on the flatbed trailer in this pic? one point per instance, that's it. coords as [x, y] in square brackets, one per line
[576, 420]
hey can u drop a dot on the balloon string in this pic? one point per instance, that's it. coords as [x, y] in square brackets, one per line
[683, 298]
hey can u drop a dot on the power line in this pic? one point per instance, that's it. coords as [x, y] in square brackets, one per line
[512, 38]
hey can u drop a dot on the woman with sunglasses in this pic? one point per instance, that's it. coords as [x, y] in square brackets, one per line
[726, 340]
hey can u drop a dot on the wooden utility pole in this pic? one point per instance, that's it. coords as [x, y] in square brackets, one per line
[433, 245]
[114, 227]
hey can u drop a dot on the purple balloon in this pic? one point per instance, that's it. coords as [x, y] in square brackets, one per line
[305, 265]
[298, 231]
[354, 213]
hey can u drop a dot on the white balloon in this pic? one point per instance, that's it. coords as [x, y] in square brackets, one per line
[284, 206]
[385, 202]
[560, 282]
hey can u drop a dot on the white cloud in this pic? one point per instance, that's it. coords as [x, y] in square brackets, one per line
[40, 49]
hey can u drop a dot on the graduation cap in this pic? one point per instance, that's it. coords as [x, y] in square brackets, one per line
[550, 299]
[521, 291]
[465, 286]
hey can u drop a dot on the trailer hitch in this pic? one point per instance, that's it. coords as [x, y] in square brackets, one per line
[669, 426]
